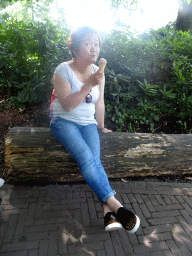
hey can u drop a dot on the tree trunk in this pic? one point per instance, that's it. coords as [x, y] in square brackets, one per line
[184, 18]
[33, 155]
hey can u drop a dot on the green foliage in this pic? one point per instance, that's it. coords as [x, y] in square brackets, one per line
[149, 78]
[30, 50]
[128, 3]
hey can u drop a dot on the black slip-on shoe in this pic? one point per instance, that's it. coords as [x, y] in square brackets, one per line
[111, 223]
[129, 220]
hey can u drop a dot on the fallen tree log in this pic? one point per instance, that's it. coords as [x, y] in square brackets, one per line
[33, 155]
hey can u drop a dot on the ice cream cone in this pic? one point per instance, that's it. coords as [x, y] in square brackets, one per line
[102, 64]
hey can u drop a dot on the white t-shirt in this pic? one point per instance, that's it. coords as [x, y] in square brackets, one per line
[84, 113]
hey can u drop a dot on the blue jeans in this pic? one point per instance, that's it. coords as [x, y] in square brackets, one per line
[83, 143]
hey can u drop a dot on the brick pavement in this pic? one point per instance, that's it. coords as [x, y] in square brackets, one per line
[68, 220]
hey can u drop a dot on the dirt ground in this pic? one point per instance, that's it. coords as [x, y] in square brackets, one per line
[36, 116]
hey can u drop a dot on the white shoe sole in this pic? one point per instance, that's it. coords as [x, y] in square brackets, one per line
[113, 226]
[136, 226]
[1, 182]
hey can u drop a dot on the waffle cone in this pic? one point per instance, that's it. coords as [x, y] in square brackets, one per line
[102, 64]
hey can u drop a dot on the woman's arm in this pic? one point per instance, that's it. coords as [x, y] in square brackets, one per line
[70, 100]
[100, 108]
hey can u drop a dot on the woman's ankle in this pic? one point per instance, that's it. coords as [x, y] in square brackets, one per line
[114, 204]
[106, 209]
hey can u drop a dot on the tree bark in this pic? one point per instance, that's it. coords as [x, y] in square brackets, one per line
[33, 155]
[184, 18]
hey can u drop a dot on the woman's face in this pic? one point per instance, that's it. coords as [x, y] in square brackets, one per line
[89, 49]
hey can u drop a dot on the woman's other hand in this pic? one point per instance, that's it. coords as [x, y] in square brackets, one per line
[105, 130]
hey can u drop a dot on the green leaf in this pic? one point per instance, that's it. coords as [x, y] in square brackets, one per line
[9, 84]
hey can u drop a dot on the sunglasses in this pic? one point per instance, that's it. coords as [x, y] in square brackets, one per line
[88, 98]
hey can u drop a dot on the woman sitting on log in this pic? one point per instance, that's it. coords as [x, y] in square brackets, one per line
[79, 96]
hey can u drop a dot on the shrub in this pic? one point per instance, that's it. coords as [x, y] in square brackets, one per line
[29, 53]
[148, 79]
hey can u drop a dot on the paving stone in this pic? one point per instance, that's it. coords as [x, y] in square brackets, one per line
[139, 199]
[19, 253]
[3, 230]
[72, 201]
[8, 213]
[98, 222]
[173, 247]
[139, 213]
[185, 226]
[41, 228]
[63, 237]
[92, 210]
[160, 200]
[126, 245]
[39, 207]
[32, 236]
[68, 220]
[85, 215]
[52, 251]
[180, 199]
[165, 214]
[133, 238]
[160, 221]
[31, 214]
[145, 211]
[167, 200]
[173, 200]
[85, 247]
[158, 229]
[157, 253]
[43, 248]
[149, 205]
[131, 198]
[187, 208]
[97, 237]
[109, 249]
[154, 237]
[187, 191]
[153, 200]
[150, 247]
[33, 253]
[12, 207]
[79, 254]
[167, 253]
[11, 229]
[182, 247]
[77, 215]
[188, 200]
[125, 198]
[168, 207]
[117, 244]
[186, 216]
[101, 253]
[119, 198]
[179, 234]
[11, 247]
[21, 221]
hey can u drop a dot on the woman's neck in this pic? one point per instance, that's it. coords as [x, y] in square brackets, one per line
[82, 66]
